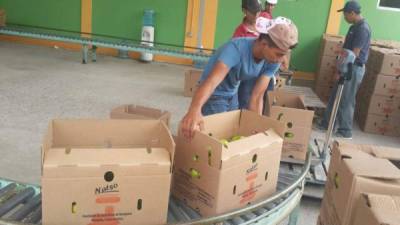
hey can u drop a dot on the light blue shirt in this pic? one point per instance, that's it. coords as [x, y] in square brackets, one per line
[237, 54]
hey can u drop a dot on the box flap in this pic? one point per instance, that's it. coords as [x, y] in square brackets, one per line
[252, 123]
[139, 112]
[285, 99]
[385, 208]
[359, 160]
[248, 144]
[86, 157]
[222, 125]
[74, 136]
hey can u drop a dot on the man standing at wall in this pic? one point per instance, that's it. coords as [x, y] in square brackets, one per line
[357, 40]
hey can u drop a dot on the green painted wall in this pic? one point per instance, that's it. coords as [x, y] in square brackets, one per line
[123, 18]
[310, 16]
[61, 14]
[385, 24]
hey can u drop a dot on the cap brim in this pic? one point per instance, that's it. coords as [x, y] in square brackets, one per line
[340, 10]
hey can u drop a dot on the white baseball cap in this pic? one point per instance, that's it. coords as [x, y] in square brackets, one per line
[273, 2]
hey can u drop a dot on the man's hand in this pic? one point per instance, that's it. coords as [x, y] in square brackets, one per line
[191, 122]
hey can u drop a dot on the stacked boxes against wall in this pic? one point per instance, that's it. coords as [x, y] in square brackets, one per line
[378, 109]
[330, 48]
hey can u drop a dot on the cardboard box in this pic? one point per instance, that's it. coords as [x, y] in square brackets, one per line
[214, 177]
[385, 44]
[140, 112]
[327, 66]
[106, 172]
[386, 61]
[378, 210]
[331, 45]
[377, 124]
[379, 105]
[356, 169]
[2, 18]
[280, 82]
[290, 109]
[324, 92]
[381, 84]
[327, 214]
[192, 78]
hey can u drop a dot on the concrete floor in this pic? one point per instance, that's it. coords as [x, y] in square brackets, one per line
[38, 84]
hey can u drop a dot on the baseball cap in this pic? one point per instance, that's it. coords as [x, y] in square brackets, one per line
[351, 6]
[272, 2]
[282, 31]
[253, 6]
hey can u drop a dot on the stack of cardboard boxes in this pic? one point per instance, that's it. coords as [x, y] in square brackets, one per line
[331, 47]
[355, 170]
[378, 109]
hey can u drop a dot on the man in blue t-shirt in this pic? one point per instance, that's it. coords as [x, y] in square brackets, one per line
[357, 40]
[238, 60]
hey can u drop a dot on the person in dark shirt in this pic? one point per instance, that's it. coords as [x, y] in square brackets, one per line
[357, 40]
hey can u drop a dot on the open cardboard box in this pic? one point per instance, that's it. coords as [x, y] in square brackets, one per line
[375, 209]
[356, 169]
[106, 172]
[140, 112]
[290, 109]
[213, 177]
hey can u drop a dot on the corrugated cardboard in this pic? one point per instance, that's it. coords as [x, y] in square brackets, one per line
[290, 109]
[385, 44]
[140, 112]
[328, 213]
[381, 84]
[106, 172]
[324, 92]
[231, 175]
[386, 61]
[280, 82]
[356, 169]
[384, 125]
[2, 17]
[375, 209]
[327, 66]
[192, 78]
[380, 105]
[331, 45]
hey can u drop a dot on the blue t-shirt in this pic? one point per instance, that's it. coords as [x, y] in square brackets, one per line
[237, 54]
[359, 36]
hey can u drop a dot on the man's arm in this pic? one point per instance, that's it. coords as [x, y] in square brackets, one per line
[193, 118]
[257, 95]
